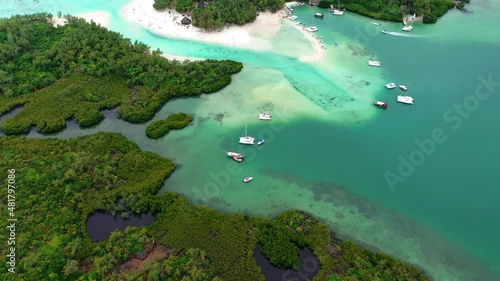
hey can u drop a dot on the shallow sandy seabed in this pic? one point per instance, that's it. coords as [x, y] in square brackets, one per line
[252, 36]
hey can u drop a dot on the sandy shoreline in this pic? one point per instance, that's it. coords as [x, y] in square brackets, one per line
[167, 23]
[254, 36]
[317, 49]
[101, 18]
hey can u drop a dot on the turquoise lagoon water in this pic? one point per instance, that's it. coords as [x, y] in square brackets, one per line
[328, 151]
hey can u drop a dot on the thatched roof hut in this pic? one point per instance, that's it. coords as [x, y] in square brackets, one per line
[186, 21]
[202, 5]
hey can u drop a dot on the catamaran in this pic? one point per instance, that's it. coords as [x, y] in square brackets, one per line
[403, 98]
[265, 116]
[246, 139]
[391, 85]
[373, 63]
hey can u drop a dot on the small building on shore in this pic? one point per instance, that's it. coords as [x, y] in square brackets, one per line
[186, 21]
[202, 5]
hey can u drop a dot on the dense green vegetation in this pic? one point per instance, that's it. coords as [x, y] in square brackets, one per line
[74, 71]
[239, 12]
[218, 13]
[394, 10]
[176, 121]
[59, 183]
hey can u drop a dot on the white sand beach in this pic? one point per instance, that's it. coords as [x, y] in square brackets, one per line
[253, 36]
[318, 50]
[101, 18]
[168, 23]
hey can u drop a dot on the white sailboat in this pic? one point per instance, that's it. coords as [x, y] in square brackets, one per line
[338, 12]
[244, 139]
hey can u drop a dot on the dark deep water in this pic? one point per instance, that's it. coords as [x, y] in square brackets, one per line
[100, 225]
[309, 267]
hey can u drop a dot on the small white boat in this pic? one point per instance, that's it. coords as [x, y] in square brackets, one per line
[336, 44]
[390, 85]
[235, 154]
[380, 104]
[246, 139]
[319, 15]
[247, 179]
[261, 141]
[407, 28]
[385, 31]
[292, 18]
[405, 99]
[265, 116]
[376, 23]
[403, 87]
[374, 63]
[312, 29]
[238, 157]
[297, 23]
[336, 12]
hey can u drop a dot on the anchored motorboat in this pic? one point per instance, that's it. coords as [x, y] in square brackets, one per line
[373, 63]
[312, 29]
[265, 116]
[390, 85]
[247, 179]
[380, 104]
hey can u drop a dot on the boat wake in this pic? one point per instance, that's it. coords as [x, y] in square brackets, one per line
[401, 34]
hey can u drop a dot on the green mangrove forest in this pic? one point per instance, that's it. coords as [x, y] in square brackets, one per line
[80, 69]
[394, 10]
[215, 14]
[60, 183]
[160, 128]
[75, 71]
